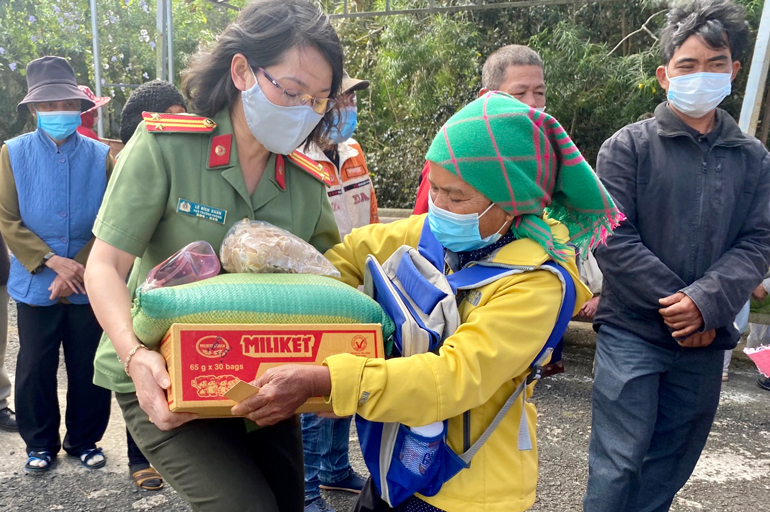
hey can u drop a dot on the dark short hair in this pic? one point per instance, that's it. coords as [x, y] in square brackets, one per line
[263, 32]
[153, 96]
[493, 73]
[718, 23]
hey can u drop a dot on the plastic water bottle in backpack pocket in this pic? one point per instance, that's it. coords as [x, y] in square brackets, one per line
[420, 447]
[418, 464]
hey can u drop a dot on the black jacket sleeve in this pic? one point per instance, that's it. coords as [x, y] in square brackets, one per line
[636, 275]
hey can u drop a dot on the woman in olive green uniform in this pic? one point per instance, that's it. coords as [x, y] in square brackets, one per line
[260, 92]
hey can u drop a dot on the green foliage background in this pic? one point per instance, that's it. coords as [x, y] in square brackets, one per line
[423, 68]
[32, 28]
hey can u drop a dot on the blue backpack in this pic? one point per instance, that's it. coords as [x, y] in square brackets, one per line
[414, 292]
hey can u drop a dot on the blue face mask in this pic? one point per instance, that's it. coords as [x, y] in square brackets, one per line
[458, 232]
[345, 123]
[279, 129]
[58, 125]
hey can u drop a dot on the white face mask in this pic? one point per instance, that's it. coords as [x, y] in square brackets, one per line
[280, 129]
[697, 94]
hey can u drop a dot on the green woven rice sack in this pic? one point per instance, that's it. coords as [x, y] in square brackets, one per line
[254, 299]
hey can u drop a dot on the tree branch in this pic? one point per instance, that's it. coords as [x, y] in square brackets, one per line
[643, 28]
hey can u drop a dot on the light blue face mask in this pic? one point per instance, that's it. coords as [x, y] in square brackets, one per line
[279, 129]
[59, 124]
[697, 94]
[345, 123]
[459, 232]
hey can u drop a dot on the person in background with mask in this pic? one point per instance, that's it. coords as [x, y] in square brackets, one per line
[480, 211]
[351, 192]
[52, 182]
[696, 243]
[266, 86]
[89, 118]
[326, 440]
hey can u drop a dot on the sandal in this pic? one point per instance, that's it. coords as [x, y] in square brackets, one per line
[148, 479]
[88, 456]
[35, 459]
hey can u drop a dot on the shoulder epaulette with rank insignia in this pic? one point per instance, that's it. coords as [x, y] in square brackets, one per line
[177, 123]
[310, 166]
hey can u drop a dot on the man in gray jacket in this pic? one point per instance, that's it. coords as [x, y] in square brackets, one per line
[696, 242]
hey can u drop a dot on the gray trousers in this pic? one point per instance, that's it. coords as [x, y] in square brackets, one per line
[5, 382]
[652, 413]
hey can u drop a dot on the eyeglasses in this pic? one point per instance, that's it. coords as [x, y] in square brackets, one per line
[295, 98]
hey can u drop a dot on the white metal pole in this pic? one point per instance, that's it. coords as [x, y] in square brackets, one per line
[97, 65]
[170, 45]
[752, 101]
[160, 46]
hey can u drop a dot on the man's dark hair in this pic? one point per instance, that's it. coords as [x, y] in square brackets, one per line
[154, 96]
[493, 73]
[263, 32]
[718, 23]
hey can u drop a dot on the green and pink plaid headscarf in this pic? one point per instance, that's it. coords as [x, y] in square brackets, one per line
[524, 161]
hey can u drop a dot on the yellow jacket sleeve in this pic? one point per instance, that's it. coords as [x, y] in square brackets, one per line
[496, 342]
[379, 240]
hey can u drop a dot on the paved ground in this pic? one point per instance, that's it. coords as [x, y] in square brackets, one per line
[731, 476]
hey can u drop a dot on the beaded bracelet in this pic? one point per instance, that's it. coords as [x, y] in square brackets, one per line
[129, 356]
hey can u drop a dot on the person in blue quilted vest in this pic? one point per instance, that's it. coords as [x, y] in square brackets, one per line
[52, 182]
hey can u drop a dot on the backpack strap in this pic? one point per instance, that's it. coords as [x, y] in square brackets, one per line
[430, 247]
[480, 275]
[562, 321]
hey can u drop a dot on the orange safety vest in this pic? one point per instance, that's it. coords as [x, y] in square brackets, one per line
[351, 191]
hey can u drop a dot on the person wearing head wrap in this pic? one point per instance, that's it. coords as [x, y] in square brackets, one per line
[154, 96]
[486, 147]
[497, 168]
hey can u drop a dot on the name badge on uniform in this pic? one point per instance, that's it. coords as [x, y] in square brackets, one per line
[201, 210]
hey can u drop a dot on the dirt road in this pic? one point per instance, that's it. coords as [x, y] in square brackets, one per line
[731, 476]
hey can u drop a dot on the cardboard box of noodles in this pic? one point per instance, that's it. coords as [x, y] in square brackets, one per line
[206, 360]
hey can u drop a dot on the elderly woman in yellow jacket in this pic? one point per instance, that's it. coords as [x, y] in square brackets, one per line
[496, 167]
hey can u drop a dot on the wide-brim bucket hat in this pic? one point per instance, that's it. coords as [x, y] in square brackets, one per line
[52, 79]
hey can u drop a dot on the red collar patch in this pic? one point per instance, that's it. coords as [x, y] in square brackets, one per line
[219, 152]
